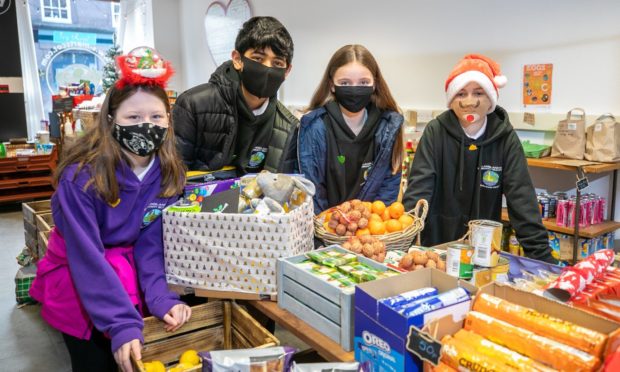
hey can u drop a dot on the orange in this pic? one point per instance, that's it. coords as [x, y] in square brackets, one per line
[393, 225]
[328, 216]
[361, 232]
[376, 227]
[378, 207]
[406, 220]
[375, 217]
[385, 215]
[397, 209]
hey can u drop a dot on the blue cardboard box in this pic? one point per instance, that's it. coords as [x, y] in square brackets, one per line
[381, 333]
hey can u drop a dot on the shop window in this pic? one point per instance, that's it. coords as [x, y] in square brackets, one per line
[57, 11]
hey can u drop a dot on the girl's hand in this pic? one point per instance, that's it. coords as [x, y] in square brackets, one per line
[121, 356]
[176, 317]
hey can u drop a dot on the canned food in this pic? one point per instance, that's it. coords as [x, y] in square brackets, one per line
[499, 273]
[486, 237]
[561, 218]
[553, 205]
[513, 244]
[459, 261]
[544, 207]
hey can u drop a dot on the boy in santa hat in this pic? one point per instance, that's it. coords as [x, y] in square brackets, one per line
[468, 157]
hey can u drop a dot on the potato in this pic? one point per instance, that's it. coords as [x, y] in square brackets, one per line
[341, 229]
[354, 216]
[368, 250]
[366, 213]
[347, 245]
[418, 267]
[431, 264]
[381, 257]
[362, 223]
[352, 227]
[348, 233]
[432, 255]
[406, 262]
[333, 223]
[378, 246]
[441, 265]
[419, 258]
[345, 207]
[356, 247]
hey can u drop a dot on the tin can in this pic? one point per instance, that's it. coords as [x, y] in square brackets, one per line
[601, 209]
[561, 215]
[499, 273]
[553, 206]
[459, 261]
[513, 244]
[560, 195]
[583, 212]
[486, 237]
[544, 206]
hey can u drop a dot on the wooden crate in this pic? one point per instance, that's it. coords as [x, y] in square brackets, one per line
[45, 222]
[216, 325]
[324, 306]
[31, 209]
[42, 243]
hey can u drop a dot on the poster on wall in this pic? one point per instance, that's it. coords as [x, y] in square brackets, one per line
[537, 85]
[222, 24]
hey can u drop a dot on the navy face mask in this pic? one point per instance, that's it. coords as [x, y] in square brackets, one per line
[141, 139]
[260, 80]
[353, 97]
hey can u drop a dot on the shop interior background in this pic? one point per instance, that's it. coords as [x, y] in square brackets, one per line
[417, 42]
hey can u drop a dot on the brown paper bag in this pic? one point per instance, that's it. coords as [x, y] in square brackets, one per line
[603, 140]
[570, 137]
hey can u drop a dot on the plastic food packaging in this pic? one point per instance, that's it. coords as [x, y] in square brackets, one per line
[403, 298]
[510, 358]
[272, 359]
[459, 355]
[539, 348]
[568, 333]
[330, 367]
[426, 305]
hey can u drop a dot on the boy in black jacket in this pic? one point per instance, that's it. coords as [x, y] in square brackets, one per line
[468, 157]
[236, 119]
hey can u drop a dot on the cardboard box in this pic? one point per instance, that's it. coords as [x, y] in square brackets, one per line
[439, 328]
[233, 253]
[381, 333]
[326, 307]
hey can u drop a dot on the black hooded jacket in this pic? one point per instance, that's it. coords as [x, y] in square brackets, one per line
[206, 120]
[464, 179]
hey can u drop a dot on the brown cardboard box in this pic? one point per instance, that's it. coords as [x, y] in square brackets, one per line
[439, 328]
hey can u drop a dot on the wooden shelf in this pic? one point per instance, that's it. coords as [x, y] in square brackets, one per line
[584, 232]
[26, 194]
[571, 165]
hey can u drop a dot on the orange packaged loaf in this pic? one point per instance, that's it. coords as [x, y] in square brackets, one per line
[539, 348]
[443, 367]
[460, 356]
[568, 333]
[495, 351]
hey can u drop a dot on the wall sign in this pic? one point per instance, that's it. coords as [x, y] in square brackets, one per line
[222, 24]
[537, 84]
[4, 6]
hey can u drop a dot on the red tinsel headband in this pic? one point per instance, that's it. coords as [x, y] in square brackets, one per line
[143, 66]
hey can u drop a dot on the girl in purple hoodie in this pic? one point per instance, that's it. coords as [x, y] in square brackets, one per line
[105, 256]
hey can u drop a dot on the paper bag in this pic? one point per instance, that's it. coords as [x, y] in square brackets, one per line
[603, 140]
[570, 137]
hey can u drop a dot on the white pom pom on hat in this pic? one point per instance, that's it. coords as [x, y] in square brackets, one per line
[476, 68]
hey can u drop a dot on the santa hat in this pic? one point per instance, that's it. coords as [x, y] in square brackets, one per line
[476, 68]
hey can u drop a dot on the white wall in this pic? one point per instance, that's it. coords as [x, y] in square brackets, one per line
[417, 42]
[166, 26]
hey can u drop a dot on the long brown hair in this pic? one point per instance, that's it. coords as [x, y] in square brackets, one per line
[381, 97]
[101, 152]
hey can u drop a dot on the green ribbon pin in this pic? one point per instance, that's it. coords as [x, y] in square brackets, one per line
[341, 159]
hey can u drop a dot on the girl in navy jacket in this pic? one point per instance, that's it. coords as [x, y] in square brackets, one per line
[350, 140]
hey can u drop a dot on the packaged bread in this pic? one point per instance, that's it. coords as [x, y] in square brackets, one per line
[525, 342]
[568, 333]
[495, 351]
[459, 355]
[442, 367]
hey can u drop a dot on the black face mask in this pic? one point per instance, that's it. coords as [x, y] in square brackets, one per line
[140, 139]
[260, 80]
[353, 98]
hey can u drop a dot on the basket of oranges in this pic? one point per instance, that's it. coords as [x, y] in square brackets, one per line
[391, 224]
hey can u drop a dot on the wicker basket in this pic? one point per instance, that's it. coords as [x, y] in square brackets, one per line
[400, 240]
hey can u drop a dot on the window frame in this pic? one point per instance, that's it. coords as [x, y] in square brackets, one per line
[116, 21]
[44, 18]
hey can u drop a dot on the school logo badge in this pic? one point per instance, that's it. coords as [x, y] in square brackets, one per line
[257, 157]
[490, 178]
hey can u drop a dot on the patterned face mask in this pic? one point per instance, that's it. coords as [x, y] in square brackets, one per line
[141, 139]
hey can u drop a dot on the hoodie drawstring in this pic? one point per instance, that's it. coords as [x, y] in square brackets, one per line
[461, 165]
[478, 180]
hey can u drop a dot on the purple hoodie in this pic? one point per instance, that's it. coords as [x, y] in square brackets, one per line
[89, 225]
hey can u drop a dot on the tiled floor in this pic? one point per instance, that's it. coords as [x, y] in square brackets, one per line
[27, 343]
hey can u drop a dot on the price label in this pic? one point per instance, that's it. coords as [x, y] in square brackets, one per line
[423, 346]
[582, 183]
[529, 118]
